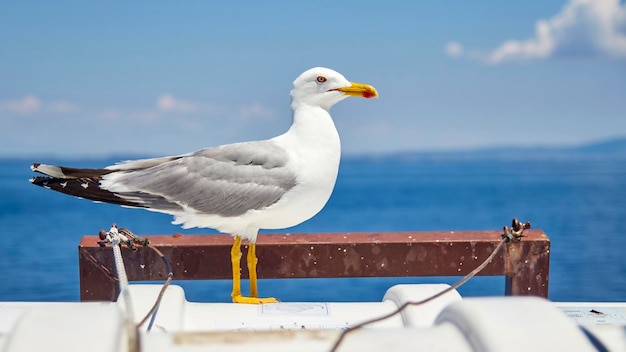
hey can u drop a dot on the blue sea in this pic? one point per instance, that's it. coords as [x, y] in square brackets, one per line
[579, 202]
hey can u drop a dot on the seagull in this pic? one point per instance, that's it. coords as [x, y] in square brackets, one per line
[234, 188]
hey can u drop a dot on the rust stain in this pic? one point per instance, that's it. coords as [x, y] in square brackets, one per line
[351, 262]
[422, 253]
[411, 255]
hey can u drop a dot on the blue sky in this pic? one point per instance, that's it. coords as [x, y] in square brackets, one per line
[88, 79]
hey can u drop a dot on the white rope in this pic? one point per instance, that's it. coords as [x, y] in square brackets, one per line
[116, 238]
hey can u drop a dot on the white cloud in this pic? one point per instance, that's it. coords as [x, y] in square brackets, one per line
[167, 102]
[167, 106]
[541, 46]
[581, 28]
[61, 107]
[255, 111]
[454, 49]
[31, 104]
[27, 105]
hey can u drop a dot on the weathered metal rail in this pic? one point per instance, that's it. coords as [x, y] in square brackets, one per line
[525, 264]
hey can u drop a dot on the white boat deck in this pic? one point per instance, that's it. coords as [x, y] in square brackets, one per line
[448, 323]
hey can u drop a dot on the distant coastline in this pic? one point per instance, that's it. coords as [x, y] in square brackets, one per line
[606, 148]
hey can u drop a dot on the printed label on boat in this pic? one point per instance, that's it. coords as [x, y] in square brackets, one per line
[596, 315]
[290, 308]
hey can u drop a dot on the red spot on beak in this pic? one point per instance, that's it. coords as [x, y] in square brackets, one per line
[368, 94]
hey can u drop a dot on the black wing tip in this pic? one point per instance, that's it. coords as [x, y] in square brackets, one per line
[83, 188]
[38, 180]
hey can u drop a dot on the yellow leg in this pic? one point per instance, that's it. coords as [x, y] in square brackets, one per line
[252, 260]
[235, 257]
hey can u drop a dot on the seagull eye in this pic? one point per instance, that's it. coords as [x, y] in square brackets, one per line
[321, 79]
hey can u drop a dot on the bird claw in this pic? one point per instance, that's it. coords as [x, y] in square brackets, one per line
[254, 300]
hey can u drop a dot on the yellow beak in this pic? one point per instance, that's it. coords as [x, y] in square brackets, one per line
[359, 90]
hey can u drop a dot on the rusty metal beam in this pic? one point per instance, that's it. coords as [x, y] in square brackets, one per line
[376, 254]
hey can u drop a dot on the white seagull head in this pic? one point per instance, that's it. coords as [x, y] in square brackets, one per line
[324, 87]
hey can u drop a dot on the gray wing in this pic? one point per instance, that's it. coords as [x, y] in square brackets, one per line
[227, 180]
